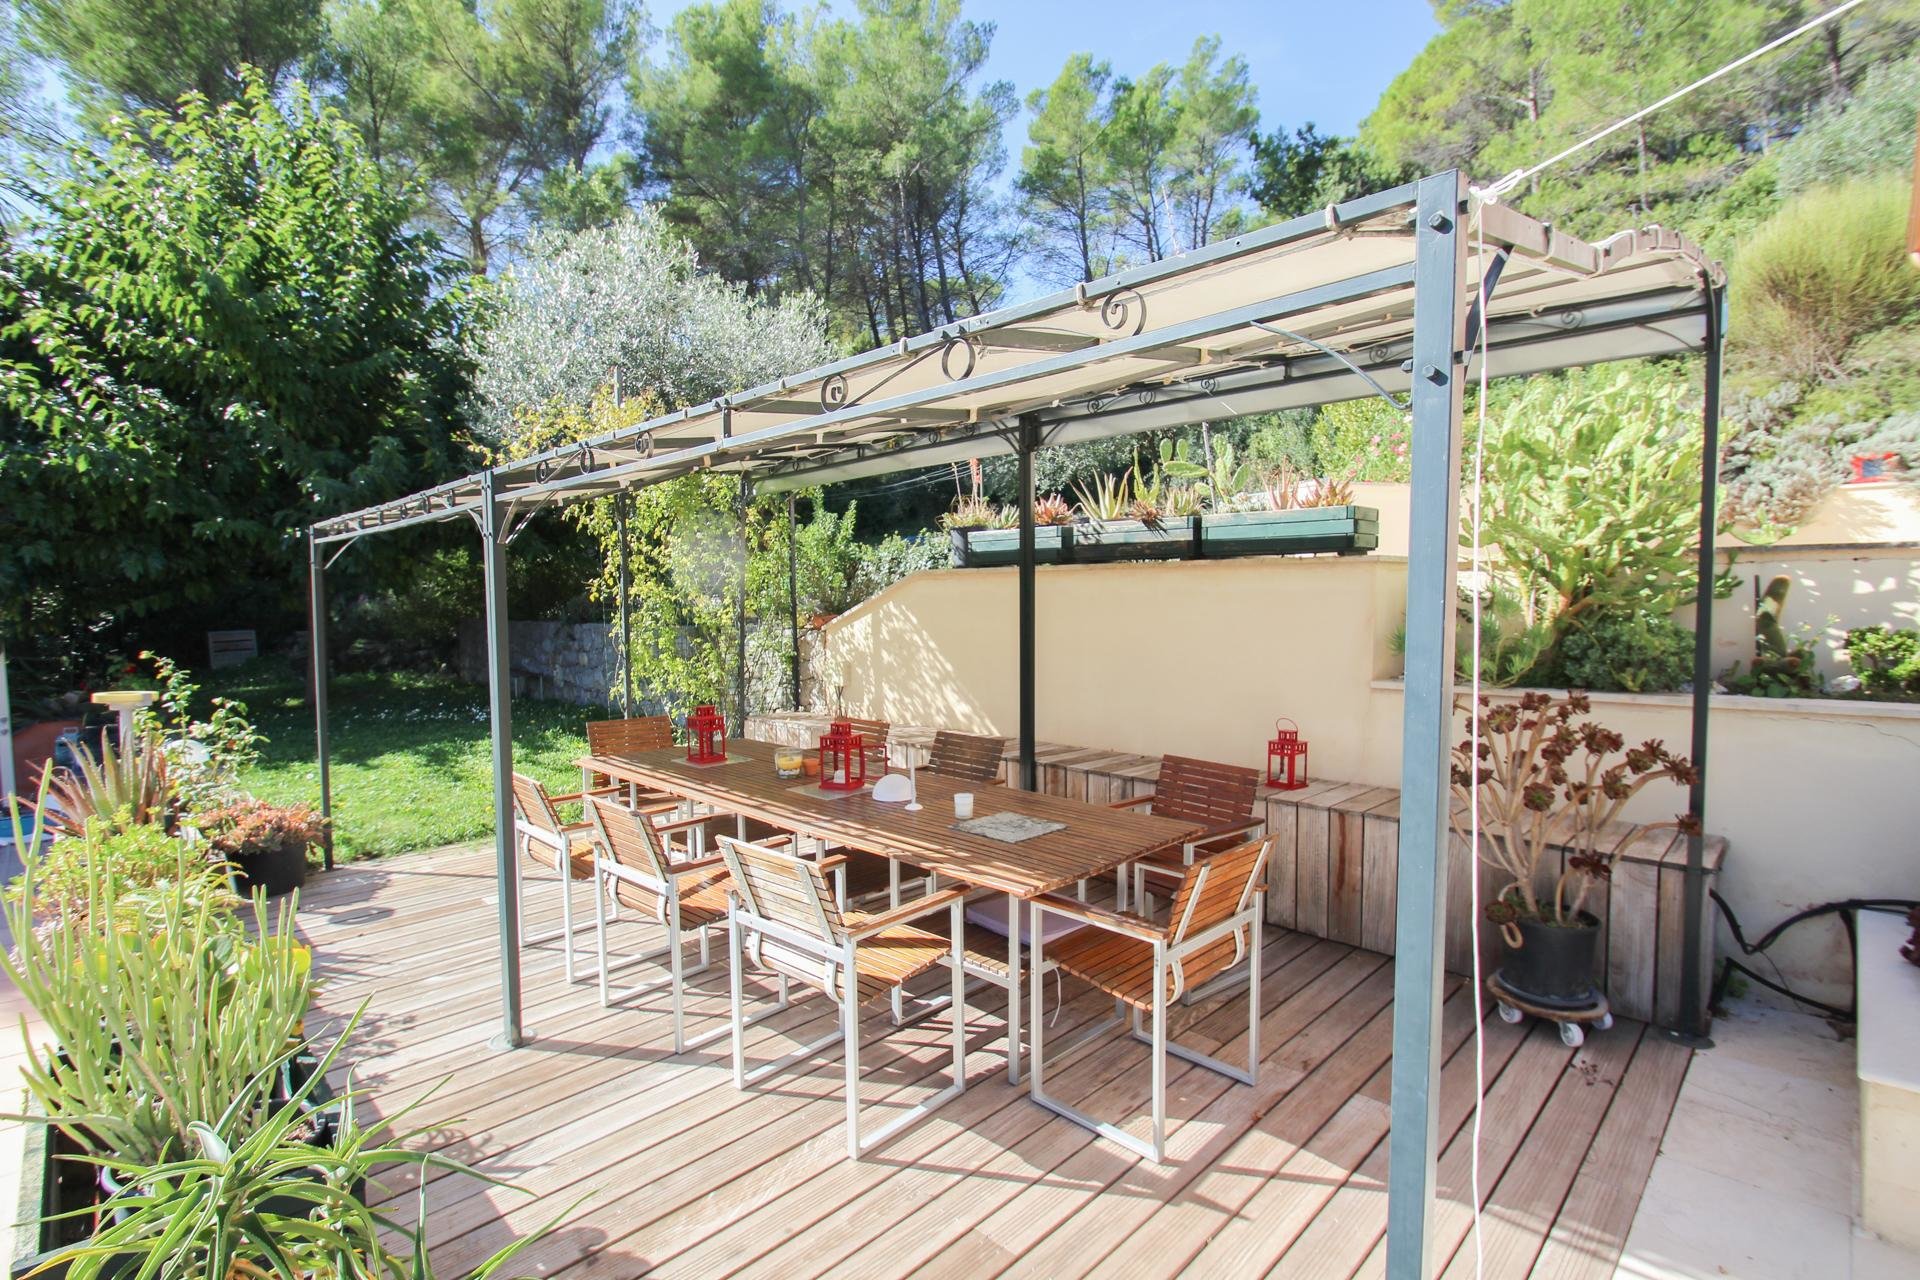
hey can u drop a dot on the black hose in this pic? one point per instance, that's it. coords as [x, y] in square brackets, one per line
[1845, 909]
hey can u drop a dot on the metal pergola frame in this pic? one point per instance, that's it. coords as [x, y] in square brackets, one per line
[1370, 296]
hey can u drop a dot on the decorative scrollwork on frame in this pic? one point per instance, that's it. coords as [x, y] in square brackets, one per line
[1124, 311]
[584, 452]
[646, 444]
[543, 470]
[946, 358]
[1571, 319]
[833, 393]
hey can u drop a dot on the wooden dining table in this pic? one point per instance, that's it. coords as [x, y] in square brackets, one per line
[1091, 841]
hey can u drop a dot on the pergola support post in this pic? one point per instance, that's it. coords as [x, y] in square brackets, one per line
[1693, 1021]
[1028, 440]
[740, 614]
[1425, 770]
[493, 556]
[317, 647]
[793, 605]
[621, 502]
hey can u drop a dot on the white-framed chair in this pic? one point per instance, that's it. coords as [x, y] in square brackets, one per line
[784, 920]
[564, 848]
[1215, 923]
[633, 869]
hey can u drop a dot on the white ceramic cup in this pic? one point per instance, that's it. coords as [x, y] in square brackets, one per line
[963, 805]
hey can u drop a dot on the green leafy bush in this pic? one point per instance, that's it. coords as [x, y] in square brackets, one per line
[1826, 270]
[1622, 650]
[1870, 131]
[1592, 499]
[144, 861]
[1886, 661]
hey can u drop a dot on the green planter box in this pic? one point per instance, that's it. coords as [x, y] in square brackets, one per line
[1315, 530]
[981, 548]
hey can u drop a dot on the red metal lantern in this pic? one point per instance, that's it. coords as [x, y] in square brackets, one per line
[843, 758]
[706, 736]
[1286, 757]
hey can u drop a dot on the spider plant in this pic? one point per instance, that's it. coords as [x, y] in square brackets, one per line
[163, 1006]
[1107, 499]
[250, 1198]
[126, 784]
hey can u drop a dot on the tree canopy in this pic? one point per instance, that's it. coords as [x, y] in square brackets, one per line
[221, 327]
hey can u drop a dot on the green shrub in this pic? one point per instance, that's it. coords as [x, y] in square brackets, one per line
[1592, 499]
[140, 857]
[1886, 661]
[1621, 650]
[1869, 132]
[1826, 270]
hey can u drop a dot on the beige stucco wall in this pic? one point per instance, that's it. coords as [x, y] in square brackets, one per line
[1816, 798]
[1193, 657]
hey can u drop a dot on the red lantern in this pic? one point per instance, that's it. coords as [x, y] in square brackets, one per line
[843, 758]
[706, 736]
[1286, 757]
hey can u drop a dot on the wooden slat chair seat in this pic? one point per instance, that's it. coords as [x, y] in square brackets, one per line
[785, 920]
[1213, 924]
[877, 734]
[1219, 798]
[633, 868]
[965, 756]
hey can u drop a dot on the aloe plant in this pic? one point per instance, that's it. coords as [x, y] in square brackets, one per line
[1106, 499]
[126, 784]
[163, 1006]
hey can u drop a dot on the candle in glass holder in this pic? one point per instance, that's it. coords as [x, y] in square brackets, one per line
[788, 762]
[963, 805]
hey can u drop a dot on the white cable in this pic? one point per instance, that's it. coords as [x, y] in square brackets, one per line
[1494, 191]
[1473, 770]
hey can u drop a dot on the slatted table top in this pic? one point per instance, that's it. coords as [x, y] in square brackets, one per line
[1094, 840]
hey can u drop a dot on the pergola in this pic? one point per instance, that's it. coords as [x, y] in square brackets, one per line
[1394, 294]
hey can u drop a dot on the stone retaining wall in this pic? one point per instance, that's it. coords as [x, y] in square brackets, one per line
[575, 662]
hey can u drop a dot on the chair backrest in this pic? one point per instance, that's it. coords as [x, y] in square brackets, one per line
[794, 893]
[536, 809]
[1215, 889]
[630, 736]
[628, 838]
[1205, 792]
[875, 732]
[965, 756]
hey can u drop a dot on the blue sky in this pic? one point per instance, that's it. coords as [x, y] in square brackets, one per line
[1321, 62]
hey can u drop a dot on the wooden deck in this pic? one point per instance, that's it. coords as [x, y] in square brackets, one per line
[655, 1165]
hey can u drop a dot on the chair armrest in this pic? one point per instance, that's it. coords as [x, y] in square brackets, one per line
[1117, 922]
[698, 864]
[1213, 835]
[682, 824]
[906, 911]
[1134, 803]
[575, 797]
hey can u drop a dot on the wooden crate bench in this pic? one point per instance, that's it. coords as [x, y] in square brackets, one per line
[1336, 855]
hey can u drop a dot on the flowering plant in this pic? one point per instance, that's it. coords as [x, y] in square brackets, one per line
[1549, 778]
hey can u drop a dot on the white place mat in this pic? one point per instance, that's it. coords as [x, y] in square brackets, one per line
[685, 763]
[819, 792]
[1008, 828]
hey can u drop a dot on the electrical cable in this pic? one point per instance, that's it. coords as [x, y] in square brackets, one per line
[1844, 908]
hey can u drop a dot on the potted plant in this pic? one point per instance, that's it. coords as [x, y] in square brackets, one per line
[163, 1006]
[1551, 779]
[266, 843]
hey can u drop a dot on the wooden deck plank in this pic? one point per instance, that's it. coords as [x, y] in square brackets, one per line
[1592, 1223]
[690, 1177]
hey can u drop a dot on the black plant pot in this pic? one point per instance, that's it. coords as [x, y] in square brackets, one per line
[1553, 965]
[281, 871]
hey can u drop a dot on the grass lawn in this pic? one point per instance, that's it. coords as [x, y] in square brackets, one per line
[410, 753]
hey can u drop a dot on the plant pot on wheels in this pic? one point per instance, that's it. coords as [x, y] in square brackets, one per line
[1553, 963]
